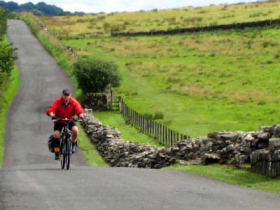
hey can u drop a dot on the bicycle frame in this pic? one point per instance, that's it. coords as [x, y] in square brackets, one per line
[66, 143]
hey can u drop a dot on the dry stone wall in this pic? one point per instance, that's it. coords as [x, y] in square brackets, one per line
[232, 148]
[243, 25]
[120, 153]
[260, 149]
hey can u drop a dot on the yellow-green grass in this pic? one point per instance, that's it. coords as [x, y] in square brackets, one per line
[232, 175]
[102, 24]
[8, 92]
[128, 132]
[227, 80]
[89, 151]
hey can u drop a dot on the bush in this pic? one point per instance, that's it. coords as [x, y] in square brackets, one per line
[155, 116]
[148, 116]
[3, 22]
[158, 116]
[7, 58]
[95, 76]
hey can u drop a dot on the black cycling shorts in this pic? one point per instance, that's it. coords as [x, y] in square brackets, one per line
[59, 126]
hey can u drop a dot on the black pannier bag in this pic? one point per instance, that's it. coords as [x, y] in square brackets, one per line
[50, 143]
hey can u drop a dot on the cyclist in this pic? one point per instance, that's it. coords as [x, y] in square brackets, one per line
[65, 107]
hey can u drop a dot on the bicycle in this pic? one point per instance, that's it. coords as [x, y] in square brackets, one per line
[66, 142]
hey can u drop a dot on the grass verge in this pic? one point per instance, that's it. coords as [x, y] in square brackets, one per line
[232, 175]
[89, 151]
[11, 89]
[128, 132]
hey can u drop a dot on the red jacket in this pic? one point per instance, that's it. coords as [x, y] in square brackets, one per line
[61, 111]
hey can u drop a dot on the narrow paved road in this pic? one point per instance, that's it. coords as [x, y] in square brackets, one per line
[31, 179]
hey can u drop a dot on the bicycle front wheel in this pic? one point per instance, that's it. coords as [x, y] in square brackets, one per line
[68, 155]
[63, 159]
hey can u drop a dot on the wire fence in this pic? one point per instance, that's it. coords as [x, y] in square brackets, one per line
[150, 127]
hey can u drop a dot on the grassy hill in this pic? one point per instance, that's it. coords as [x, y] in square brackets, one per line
[203, 82]
[102, 24]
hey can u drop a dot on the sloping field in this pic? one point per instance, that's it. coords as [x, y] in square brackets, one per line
[102, 24]
[203, 82]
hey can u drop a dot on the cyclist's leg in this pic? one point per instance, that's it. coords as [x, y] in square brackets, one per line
[75, 131]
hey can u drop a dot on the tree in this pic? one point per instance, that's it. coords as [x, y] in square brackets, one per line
[40, 8]
[48, 9]
[95, 75]
[27, 7]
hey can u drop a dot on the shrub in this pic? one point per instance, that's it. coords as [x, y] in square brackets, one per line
[158, 116]
[155, 116]
[148, 116]
[3, 23]
[95, 75]
[7, 58]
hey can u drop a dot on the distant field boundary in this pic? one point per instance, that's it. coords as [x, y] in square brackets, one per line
[201, 29]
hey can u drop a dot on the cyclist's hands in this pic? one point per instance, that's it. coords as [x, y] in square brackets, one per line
[82, 116]
[52, 116]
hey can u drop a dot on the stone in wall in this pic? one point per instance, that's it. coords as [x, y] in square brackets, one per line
[224, 147]
[267, 161]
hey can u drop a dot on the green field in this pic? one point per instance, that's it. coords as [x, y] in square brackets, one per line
[201, 82]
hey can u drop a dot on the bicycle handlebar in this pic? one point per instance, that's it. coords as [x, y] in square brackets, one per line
[67, 120]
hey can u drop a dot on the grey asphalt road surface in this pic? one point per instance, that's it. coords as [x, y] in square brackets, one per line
[31, 179]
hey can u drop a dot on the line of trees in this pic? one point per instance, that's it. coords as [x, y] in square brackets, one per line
[40, 8]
